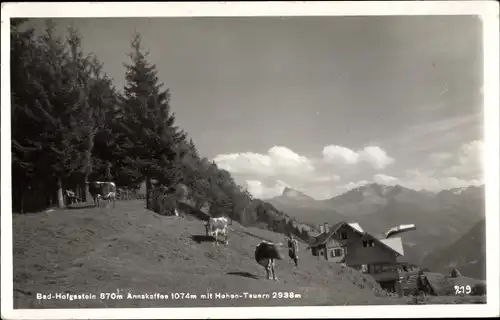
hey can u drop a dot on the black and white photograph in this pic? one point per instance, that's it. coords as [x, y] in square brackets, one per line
[164, 160]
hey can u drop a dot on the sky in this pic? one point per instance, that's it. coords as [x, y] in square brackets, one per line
[318, 104]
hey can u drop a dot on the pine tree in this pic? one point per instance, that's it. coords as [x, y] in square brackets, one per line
[150, 136]
[97, 99]
[25, 148]
[45, 98]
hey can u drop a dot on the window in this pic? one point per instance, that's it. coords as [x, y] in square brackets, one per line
[343, 236]
[368, 243]
[388, 268]
[364, 268]
[382, 267]
[337, 252]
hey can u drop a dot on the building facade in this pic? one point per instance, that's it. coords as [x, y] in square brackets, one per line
[348, 243]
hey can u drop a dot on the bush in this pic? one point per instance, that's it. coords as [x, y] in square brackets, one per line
[162, 203]
[455, 273]
[478, 289]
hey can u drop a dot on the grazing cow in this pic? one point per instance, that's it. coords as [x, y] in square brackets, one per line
[266, 254]
[71, 197]
[104, 190]
[217, 226]
[293, 250]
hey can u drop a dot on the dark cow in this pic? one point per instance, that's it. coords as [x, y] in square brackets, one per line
[217, 226]
[266, 254]
[104, 190]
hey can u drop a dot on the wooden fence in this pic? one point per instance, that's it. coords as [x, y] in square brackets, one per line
[169, 204]
[125, 194]
[161, 202]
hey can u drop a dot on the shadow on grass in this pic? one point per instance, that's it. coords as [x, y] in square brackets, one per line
[26, 293]
[243, 274]
[202, 238]
[255, 236]
[81, 206]
[53, 209]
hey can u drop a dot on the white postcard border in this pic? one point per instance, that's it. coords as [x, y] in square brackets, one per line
[488, 12]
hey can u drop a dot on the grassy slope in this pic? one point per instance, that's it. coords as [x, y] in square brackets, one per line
[132, 249]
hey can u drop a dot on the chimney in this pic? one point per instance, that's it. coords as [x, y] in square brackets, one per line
[326, 227]
[321, 229]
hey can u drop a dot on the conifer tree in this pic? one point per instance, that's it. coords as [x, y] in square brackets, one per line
[150, 135]
[46, 124]
[25, 148]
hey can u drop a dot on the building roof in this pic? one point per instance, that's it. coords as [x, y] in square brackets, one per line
[395, 244]
[400, 229]
[383, 244]
[356, 226]
[325, 236]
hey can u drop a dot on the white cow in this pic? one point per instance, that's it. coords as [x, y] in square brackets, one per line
[217, 226]
[104, 190]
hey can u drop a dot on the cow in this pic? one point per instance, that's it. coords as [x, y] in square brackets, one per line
[104, 190]
[266, 253]
[217, 226]
[71, 197]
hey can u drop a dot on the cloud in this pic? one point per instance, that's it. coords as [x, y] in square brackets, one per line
[278, 161]
[469, 161]
[418, 180]
[465, 163]
[341, 169]
[438, 158]
[282, 163]
[318, 177]
[376, 156]
[373, 155]
[385, 179]
[352, 185]
[338, 153]
[262, 191]
[326, 178]
[445, 170]
[438, 133]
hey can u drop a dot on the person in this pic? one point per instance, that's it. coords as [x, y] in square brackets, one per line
[293, 249]
[421, 283]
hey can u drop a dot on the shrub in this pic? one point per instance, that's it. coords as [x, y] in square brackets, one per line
[478, 289]
[455, 273]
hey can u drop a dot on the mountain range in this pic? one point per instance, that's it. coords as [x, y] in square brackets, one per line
[441, 218]
[467, 254]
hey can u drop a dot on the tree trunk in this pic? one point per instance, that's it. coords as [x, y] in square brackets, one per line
[108, 172]
[88, 162]
[148, 193]
[60, 198]
[22, 191]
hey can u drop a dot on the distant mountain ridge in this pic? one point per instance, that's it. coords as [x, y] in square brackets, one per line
[441, 217]
[290, 193]
[467, 254]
